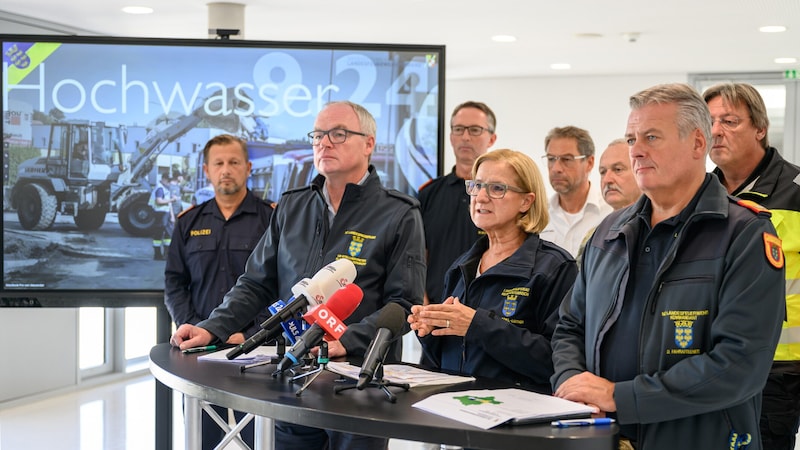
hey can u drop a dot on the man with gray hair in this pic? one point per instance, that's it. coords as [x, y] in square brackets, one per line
[577, 206]
[751, 169]
[674, 318]
[344, 213]
[616, 177]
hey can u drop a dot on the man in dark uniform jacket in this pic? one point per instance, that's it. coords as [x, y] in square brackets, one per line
[344, 213]
[210, 246]
[444, 203]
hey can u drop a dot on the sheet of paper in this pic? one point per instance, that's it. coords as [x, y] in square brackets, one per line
[258, 354]
[401, 373]
[489, 408]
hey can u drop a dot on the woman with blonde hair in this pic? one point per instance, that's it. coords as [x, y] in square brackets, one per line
[502, 295]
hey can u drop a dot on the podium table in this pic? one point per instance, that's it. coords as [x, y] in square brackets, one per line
[366, 412]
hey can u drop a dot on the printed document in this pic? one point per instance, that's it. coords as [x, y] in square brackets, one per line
[489, 408]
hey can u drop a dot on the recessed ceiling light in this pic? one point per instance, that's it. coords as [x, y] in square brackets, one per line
[772, 29]
[504, 38]
[785, 60]
[137, 10]
[560, 66]
[588, 35]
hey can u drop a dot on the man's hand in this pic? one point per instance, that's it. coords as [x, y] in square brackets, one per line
[590, 389]
[188, 336]
[236, 338]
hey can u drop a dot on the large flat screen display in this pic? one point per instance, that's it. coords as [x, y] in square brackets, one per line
[90, 124]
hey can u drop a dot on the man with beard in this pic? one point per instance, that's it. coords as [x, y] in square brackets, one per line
[577, 206]
[210, 246]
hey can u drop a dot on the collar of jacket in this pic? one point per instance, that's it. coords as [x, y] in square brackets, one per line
[518, 264]
[713, 202]
[352, 191]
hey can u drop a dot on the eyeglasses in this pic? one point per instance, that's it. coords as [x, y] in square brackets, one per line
[727, 122]
[335, 135]
[474, 130]
[493, 190]
[567, 160]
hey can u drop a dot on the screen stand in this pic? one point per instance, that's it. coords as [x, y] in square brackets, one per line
[377, 382]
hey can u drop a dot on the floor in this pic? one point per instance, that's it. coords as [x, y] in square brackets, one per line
[116, 416]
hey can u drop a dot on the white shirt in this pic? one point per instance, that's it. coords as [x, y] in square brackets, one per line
[568, 230]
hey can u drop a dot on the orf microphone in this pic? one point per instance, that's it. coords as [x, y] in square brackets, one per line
[312, 291]
[389, 323]
[327, 319]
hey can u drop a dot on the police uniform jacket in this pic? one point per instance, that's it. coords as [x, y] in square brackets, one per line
[378, 229]
[709, 329]
[207, 255]
[516, 304]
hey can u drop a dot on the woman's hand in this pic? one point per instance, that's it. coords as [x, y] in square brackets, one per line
[451, 318]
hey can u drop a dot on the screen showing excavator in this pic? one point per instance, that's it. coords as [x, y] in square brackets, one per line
[90, 125]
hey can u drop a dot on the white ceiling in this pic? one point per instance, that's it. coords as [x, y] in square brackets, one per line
[675, 36]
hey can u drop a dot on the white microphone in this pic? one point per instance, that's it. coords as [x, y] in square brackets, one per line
[307, 292]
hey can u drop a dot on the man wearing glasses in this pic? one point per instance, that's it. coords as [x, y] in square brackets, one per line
[752, 170]
[577, 206]
[449, 231]
[344, 213]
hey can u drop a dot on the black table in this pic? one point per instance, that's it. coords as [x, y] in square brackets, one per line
[364, 412]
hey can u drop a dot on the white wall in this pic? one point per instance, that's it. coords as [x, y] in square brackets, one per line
[39, 351]
[527, 108]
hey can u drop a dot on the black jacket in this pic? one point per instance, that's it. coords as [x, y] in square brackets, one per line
[378, 229]
[516, 304]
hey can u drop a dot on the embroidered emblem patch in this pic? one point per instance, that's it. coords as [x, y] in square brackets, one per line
[773, 250]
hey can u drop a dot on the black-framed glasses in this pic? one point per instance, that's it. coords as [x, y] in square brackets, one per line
[727, 122]
[335, 135]
[493, 190]
[567, 160]
[473, 130]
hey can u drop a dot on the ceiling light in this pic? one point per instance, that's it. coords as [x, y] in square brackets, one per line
[504, 38]
[560, 66]
[789, 60]
[772, 29]
[137, 10]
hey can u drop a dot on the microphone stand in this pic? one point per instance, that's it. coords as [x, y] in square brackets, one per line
[377, 382]
[280, 345]
[322, 361]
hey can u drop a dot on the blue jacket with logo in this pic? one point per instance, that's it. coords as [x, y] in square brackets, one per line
[516, 304]
[709, 330]
[378, 229]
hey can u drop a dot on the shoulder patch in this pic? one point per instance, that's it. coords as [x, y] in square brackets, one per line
[399, 195]
[773, 250]
[425, 184]
[753, 206]
[180, 214]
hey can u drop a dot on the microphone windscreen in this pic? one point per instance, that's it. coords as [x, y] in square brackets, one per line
[345, 300]
[392, 317]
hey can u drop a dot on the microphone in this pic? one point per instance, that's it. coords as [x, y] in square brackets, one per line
[389, 323]
[327, 321]
[306, 292]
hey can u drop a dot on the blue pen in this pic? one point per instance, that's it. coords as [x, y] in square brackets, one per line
[582, 422]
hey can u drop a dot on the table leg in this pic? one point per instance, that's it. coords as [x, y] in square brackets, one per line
[264, 433]
[192, 422]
